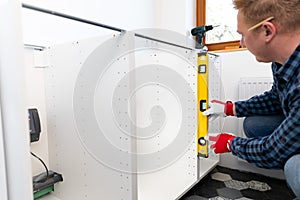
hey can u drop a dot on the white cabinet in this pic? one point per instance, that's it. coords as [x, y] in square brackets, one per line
[121, 118]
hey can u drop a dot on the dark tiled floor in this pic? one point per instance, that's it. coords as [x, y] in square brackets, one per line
[225, 184]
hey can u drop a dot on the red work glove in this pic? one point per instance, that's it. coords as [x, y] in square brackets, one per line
[222, 142]
[219, 109]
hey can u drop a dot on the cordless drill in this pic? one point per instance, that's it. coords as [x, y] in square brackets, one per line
[199, 32]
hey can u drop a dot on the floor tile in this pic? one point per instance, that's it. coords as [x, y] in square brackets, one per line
[253, 194]
[195, 197]
[221, 176]
[260, 186]
[238, 185]
[229, 193]
[228, 182]
[207, 187]
[219, 198]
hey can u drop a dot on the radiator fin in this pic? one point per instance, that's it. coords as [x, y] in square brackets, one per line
[250, 86]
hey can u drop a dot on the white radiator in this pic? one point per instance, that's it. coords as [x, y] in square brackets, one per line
[249, 87]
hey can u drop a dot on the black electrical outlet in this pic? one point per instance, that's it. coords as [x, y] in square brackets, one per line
[34, 124]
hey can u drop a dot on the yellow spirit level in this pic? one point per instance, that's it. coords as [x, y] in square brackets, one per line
[202, 63]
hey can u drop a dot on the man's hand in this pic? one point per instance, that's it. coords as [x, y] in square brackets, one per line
[219, 109]
[222, 142]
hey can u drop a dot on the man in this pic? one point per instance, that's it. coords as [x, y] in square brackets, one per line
[270, 29]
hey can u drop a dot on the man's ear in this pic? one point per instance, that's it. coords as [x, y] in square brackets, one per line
[269, 31]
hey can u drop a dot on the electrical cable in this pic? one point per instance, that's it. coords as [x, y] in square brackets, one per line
[47, 171]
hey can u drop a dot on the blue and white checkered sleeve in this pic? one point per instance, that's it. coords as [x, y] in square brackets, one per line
[274, 150]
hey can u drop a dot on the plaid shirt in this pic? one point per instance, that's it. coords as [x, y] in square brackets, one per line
[274, 150]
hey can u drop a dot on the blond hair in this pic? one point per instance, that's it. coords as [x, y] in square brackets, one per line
[286, 13]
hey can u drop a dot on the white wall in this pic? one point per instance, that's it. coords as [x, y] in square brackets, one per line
[178, 15]
[237, 64]
[44, 29]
